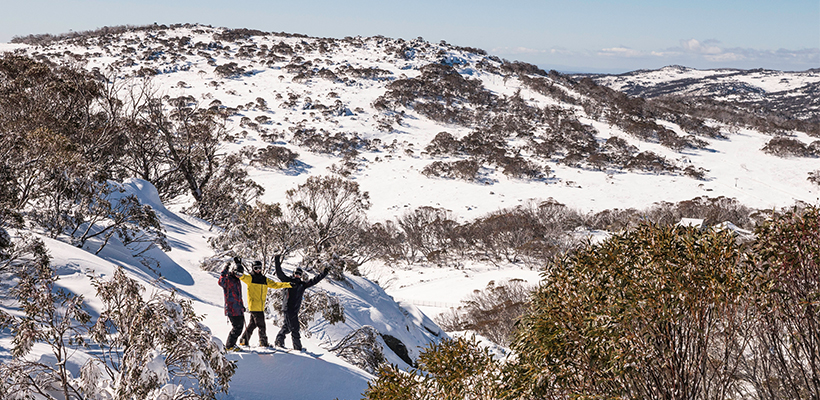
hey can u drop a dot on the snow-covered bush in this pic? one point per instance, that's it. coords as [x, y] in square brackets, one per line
[152, 348]
[50, 315]
[315, 301]
[451, 369]
[361, 348]
[462, 169]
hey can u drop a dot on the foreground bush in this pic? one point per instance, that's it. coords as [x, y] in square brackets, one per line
[646, 314]
[453, 369]
[784, 358]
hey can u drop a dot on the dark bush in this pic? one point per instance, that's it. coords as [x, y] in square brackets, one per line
[229, 70]
[443, 144]
[463, 169]
[782, 146]
[276, 157]
[814, 177]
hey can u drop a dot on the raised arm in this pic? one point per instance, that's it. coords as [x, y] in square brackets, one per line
[277, 285]
[317, 278]
[277, 264]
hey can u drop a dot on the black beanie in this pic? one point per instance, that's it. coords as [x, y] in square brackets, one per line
[298, 271]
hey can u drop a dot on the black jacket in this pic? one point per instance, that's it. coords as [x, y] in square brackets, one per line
[293, 296]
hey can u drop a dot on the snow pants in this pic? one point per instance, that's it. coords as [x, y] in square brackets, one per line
[291, 326]
[257, 321]
[237, 323]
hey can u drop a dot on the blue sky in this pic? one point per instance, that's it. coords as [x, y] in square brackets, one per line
[577, 36]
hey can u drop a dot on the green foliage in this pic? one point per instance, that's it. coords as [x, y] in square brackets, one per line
[644, 314]
[784, 360]
[452, 369]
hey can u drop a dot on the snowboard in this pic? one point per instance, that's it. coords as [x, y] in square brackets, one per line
[273, 350]
[260, 350]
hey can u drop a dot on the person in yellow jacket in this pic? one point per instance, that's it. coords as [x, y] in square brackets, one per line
[258, 285]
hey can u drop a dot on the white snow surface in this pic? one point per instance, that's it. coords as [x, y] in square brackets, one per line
[397, 301]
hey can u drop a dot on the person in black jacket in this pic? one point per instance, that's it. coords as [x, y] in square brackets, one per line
[293, 301]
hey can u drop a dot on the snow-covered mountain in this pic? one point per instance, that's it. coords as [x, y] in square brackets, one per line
[423, 124]
[352, 88]
[795, 93]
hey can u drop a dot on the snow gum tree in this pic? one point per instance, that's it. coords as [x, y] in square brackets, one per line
[328, 214]
[257, 233]
[650, 313]
[50, 315]
[784, 361]
[154, 348]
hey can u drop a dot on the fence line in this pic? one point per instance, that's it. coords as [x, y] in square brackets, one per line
[427, 303]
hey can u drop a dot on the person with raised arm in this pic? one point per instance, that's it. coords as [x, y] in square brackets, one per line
[258, 285]
[293, 301]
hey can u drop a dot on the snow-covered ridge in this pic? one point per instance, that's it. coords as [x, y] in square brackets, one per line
[793, 91]
[330, 85]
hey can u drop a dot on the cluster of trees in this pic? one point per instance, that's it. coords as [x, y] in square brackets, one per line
[551, 133]
[67, 133]
[68, 137]
[148, 347]
[784, 146]
[659, 311]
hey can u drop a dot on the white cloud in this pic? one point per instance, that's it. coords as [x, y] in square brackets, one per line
[517, 50]
[695, 46]
[620, 52]
[724, 57]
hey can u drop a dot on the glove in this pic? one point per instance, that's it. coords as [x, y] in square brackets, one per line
[237, 260]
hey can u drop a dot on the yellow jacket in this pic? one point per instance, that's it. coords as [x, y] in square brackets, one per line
[258, 285]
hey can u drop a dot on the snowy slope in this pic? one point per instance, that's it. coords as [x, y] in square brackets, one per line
[796, 92]
[392, 174]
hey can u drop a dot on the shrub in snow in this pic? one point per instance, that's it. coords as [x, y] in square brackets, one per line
[451, 369]
[102, 211]
[782, 146]
[50, 315]
[152, 348]
[429, 231]
[462, 169]
[650, 313]
[782, 358]
[315, 301]
[361, 348]
[814, 177]
[276, 156]
[492, 312]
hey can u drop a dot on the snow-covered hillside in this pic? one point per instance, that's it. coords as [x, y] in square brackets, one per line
[330, 85]
[292, 90]
[794, 92]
